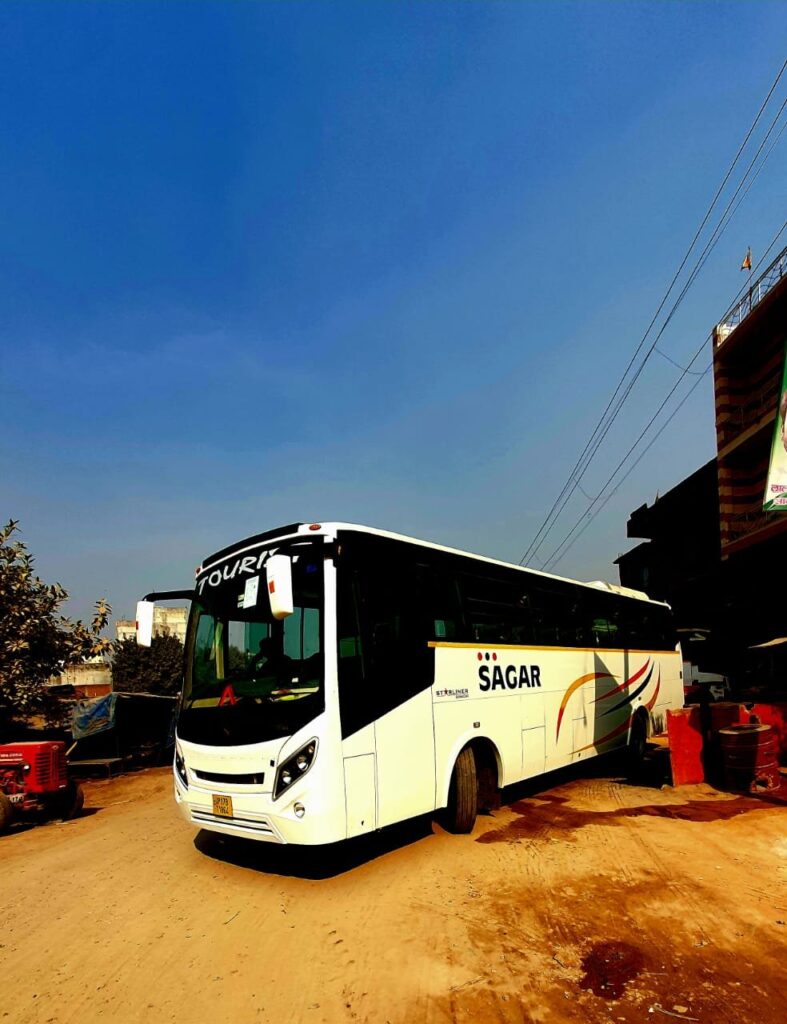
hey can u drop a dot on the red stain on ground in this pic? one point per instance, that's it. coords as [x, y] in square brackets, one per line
[538, 816]
[609, 966]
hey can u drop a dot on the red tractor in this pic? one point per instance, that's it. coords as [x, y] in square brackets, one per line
[34, 782]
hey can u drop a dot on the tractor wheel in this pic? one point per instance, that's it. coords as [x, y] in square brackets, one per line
[460, 814]
[6, 812]
[71, 801]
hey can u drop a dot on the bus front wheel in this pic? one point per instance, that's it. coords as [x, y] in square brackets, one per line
[460, 813]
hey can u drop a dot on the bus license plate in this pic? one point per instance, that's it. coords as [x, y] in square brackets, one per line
[222, 806]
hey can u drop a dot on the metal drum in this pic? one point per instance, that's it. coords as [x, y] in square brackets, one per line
[750, 758]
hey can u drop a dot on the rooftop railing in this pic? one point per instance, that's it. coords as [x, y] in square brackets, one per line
[754, 294]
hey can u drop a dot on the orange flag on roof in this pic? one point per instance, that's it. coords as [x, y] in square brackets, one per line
[746, 265]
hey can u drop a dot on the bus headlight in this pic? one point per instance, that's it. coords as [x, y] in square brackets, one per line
[180, 767]
[294, 767]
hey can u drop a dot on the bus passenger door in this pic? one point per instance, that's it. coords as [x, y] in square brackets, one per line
[356, 711]
[405, 759]
[398, 673]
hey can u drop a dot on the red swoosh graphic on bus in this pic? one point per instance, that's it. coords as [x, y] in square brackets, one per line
[623, 686]
[573, 689]
[586, 679]
[610, 735]
[652, 700]
[624, 725]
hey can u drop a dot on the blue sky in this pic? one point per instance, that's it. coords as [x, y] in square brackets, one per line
[381, 263]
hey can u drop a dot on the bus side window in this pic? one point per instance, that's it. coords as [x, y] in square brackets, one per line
[496, 611]
[661, 630]
[438, 610]
[389, 615]
[639, 628]
[606, 623]
[382, 653]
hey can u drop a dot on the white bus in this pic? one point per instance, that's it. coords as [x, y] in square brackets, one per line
[339, 679]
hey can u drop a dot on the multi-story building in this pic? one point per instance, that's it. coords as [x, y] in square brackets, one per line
[748, 367]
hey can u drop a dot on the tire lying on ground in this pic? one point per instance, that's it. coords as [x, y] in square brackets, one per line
[460, 813]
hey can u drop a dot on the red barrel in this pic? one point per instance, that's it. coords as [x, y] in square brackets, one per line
[750, 757]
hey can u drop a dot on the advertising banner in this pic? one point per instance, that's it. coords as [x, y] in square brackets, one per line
[776, 487]
[93, 716]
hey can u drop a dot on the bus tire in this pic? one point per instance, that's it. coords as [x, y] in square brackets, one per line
[460, 813]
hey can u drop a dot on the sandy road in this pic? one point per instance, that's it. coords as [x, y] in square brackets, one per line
[121, 915]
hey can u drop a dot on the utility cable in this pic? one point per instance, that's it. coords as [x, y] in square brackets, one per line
[732, 206]
[622, 462]
[547, 523]
[685, 370]
[630, 470]
[710, 245]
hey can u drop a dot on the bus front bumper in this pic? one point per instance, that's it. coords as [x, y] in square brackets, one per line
[252, 817]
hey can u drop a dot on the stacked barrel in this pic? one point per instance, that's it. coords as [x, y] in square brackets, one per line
[750, 758]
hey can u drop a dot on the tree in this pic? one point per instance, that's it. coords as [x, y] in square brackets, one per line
[36, 642]
[154, 669]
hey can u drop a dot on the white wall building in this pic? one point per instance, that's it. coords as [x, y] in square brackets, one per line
[166, 622]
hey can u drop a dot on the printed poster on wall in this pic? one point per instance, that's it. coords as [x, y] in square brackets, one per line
[776, 487]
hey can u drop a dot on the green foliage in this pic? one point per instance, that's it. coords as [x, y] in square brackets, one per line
[154, 669]
[36, 642]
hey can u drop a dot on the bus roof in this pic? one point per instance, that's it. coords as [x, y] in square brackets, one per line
[306, 530]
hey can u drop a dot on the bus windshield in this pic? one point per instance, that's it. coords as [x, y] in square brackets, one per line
[248, 676]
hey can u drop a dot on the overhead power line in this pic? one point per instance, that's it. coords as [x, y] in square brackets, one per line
[622, 462]
[608, 416]
[558, 554]
[633, 466]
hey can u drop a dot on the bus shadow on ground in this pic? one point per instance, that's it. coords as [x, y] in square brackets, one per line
[653, 774]
[312, 862]
[319, 862]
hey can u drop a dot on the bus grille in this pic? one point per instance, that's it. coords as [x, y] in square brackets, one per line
[248, 822]
[255, 779]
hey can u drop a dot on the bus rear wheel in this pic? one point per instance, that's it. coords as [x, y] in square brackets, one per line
[460, 813]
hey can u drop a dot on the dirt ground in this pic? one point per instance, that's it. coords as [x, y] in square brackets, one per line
[592, 901]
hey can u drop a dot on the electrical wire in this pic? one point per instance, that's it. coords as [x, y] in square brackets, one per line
[630, 470]
[559, 553]
[548, 522]
[622, 462]
[729, 211]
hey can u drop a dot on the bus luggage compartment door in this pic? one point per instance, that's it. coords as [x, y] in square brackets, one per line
[360, 794]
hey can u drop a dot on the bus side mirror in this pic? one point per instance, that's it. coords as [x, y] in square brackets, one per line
[278, 572]
[145, 622]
